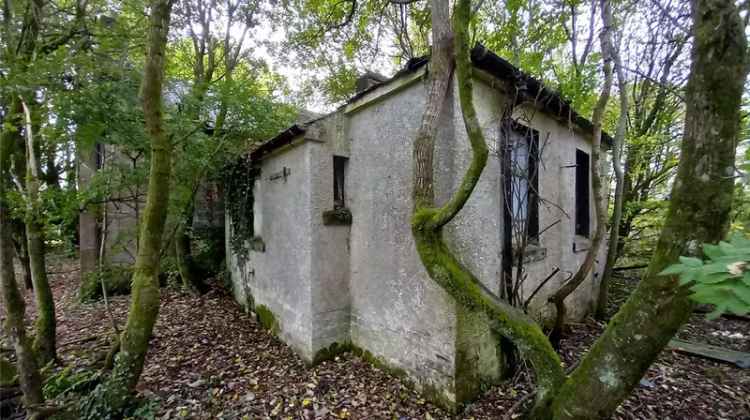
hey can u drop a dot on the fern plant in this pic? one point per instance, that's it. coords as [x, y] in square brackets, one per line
[722, 279]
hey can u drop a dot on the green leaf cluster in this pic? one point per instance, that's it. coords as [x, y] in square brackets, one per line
[722, 279]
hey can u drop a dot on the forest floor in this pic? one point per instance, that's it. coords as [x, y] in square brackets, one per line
[209, 359]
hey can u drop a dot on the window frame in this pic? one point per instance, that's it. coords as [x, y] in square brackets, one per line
[583, 194]
[531, 136]
[340, 164]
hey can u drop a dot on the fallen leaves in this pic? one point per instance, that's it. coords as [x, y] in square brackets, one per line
[210, 360]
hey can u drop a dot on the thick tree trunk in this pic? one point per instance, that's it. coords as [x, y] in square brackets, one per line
[428, 221]
[558, 298]
[45, 325]
[144, 306]
[619, 141]
[29, 378]
[698, 213]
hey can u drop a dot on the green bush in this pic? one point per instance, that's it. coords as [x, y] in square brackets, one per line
[722, 279]
[8, 373]
[116, 280]
[69, 381]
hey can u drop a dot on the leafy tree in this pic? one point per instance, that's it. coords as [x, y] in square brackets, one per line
[113, 396]
[722, 280]
[699, 211]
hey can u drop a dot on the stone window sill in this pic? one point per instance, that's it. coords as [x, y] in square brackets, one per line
[533, 253]
[581, 244]
[257, 244]
[337, 217]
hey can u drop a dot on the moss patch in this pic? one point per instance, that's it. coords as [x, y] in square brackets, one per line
[8, 374]
[337, 217]
[267, 319]
[116, 280]
[330, 352]
[257, 244]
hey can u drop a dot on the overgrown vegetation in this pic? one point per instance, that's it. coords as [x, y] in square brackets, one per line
[123, 161]
[722, 279]
[239, 178]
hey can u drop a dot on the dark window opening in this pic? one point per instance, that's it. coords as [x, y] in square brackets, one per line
[533, 207]
[583, 205]
[521, 164]
[339, 170]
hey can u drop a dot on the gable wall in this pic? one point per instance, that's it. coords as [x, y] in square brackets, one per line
[398, 313]
[279, 278]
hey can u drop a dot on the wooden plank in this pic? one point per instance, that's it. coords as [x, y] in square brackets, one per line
[738, 358]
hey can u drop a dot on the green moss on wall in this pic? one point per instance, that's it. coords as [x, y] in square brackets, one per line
[267, 319]
[430, 392]
[340, 217]
[330, 352]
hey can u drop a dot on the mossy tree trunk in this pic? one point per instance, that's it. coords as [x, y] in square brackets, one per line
[29, 378]
[45, 324]
[558, 298]
[144, 305]
[619, 141]
[699, 210]
[18, 235]
[428, 220]
[26, 168]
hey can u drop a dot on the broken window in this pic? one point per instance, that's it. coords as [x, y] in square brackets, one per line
[523, 165]
[583, 220]
[339, 170]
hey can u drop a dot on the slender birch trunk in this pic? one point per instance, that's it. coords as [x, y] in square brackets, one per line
[45, 325]
[619, 141]
[558, 298]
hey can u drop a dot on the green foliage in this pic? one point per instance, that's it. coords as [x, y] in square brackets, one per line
[116, 279]
[722, 279]
[97, 405]
[208, 250]
[238, 187]
[69, 381]
[8, 373]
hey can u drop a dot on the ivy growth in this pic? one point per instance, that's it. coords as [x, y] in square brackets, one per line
[722, 280]
[239, 178]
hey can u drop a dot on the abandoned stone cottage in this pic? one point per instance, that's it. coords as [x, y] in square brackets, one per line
[331, 261]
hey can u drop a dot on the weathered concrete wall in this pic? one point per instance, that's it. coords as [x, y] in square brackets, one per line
[123, 212]
[330, 260]
[398, 312]
[364, 283]
[88, 225]
[278, 279]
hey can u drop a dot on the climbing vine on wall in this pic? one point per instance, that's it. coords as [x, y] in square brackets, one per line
[239, 178]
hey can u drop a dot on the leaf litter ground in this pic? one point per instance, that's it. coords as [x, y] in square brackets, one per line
[211, 360]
